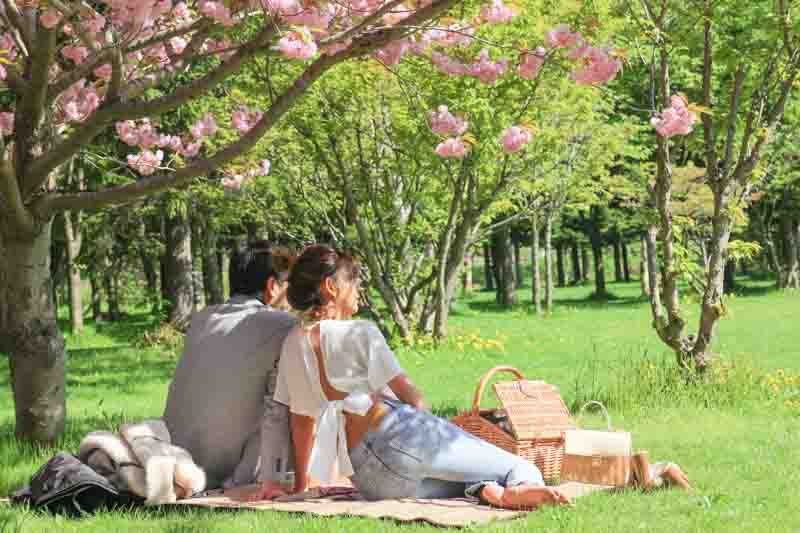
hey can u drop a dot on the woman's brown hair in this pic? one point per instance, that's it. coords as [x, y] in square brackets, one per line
[316, 263]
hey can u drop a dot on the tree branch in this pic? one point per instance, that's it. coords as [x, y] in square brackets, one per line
[48, 204]
[741, 74]
[22, 220]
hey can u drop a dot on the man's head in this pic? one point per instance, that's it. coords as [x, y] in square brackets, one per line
[261, 269]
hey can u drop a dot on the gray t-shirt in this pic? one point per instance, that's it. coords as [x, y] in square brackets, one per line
[218, 404]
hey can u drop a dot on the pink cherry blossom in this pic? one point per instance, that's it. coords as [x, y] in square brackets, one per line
[217, 11]
[6, 124]
[146, 162]
[531, 62]
[515, 138]
[453, 148]
[453, 35]
[497, 12]
[104, 71]
[446, 124]
[486, 70]
[127, 132]
[190, 150]
[316, 18]
[298, 45]
[8, 48]
[181, 12]
[94, 24]
[79, 101]
[244, 120]
[563, 37]
[76, 54]
[3, 73]
[448, 65]
[674, 120]
[178, 44]
[205, 127]
[50, 18]
[598, 68]
[265, 166]
[392, 53]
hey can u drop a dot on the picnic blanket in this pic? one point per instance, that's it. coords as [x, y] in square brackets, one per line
[344, 501]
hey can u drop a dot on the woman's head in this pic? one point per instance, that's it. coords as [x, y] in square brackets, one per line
[324, 282]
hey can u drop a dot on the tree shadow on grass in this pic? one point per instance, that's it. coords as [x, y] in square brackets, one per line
[593, 301]
[117, 367]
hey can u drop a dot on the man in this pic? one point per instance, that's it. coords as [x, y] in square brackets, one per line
[220, 405]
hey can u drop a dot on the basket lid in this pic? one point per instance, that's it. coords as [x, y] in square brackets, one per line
[535, 409]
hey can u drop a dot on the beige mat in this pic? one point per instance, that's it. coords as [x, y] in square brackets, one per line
[448, 513]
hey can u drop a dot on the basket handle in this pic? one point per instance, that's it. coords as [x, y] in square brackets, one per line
[476, 402]
[602, 408]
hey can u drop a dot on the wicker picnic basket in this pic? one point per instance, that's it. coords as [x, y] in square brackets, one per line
[534, 415]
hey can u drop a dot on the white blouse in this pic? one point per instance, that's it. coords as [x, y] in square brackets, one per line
[357, 361]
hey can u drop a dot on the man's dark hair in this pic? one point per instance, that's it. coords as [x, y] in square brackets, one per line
[251, 266]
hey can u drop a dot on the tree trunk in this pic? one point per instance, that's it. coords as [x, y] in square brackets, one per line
[729, 280]
[212, 276]
[224, 261]
[109, 285]
[488, 270]
[577, 277]
[29, 335]
[467, 274]
[504, 264]
[560, 270]
[599, 269]
[178, 269]
[626, 268]
[517, 262]
[791, 260]
[548, 263]
[585, 265]
[617, 248]
[97, 297]
[72, 231]
[536, 273]
[644, 274]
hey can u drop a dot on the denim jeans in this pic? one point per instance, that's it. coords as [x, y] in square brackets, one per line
[414, 454]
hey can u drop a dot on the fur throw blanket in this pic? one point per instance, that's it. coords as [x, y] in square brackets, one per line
[142, 459]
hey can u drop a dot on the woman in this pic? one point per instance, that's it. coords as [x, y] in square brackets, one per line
[355, 413]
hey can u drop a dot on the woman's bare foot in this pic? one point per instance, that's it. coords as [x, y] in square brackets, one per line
[673, 475]
[522, 496]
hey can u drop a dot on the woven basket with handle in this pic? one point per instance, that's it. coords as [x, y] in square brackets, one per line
[536, 415]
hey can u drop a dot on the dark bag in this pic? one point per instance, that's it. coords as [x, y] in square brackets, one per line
[66, 485]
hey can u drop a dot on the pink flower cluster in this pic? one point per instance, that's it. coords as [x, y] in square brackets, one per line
[391, 54]
[497, 12]
[298, 45]
[6, 124]
[50, 18]
[146, 162]
[145, 136]
[446, 124]
[205, 127]
[79, 101]
[235, 182]
[486, 70]
[243, 119]
[676, 119]
[77, 54]
[217, 11]
[531, 62]
[563, 37]
[599, 67]
[453, 35]
[515, 138]
[454, 148]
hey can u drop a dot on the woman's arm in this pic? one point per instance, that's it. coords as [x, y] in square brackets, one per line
[303, 429]
[407, 392]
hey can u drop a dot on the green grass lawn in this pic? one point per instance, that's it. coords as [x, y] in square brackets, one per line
[737, 436]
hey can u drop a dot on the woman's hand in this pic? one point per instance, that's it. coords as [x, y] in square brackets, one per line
[268, 490]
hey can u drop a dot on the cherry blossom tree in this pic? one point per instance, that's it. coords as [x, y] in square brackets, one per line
[77, 70]
[744, 80]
